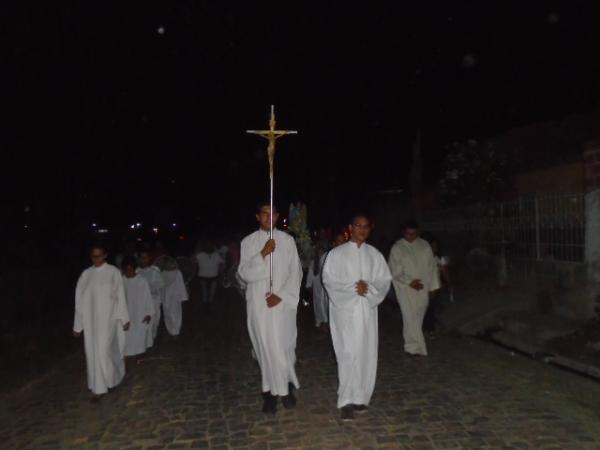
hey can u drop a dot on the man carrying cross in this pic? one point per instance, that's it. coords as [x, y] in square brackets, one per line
[272, 311]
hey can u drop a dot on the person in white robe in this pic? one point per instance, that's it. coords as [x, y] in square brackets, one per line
[314, 279]
[319, 295]
[415, 275]
[140, 307]
[272, 315]
[152, 275]
[357, 280]
[174, 293]
[101, 315]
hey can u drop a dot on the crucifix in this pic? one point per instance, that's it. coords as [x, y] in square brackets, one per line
[271, 135]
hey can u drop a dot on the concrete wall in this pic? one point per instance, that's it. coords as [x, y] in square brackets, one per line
[592, 209]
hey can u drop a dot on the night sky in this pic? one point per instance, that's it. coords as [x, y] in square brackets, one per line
[119, 113]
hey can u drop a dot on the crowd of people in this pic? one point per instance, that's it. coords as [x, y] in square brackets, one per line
[119, 310]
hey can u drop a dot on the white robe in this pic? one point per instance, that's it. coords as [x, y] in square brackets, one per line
[101, 312]
[413, 261]
[175, 293]
[155, 280]
[320, 299]
[272, 330]
[353, 318]
[139, 304]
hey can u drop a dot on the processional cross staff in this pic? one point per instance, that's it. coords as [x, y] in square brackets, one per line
[271, 135]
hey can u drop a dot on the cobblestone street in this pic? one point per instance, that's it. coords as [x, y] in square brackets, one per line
[202, 391]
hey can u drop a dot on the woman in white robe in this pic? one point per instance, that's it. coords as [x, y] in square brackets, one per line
[272, 329]
[174, 293]
[101, 314]
[141, 309]
[357, 280]
[414, 275]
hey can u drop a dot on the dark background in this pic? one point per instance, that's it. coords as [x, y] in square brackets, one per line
[108, 120]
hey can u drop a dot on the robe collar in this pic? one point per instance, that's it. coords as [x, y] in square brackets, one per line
[261, 231]
[355, 245]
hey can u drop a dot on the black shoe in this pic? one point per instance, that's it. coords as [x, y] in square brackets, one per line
[347, 414]
[360, 409]
[269, 403]
[289, 401]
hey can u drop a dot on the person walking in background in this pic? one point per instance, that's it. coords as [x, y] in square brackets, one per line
[210, 264]
[141, 309]
[415, 274]
[152, 275]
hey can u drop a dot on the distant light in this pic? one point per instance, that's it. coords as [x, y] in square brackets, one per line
[94, 225]
[138, 225]
[174, 225]
[182, 238]
[139, 239]
[552, 18]
[160, 30]
[469, 61]
[155, 230]
[27, 209]
[102, 231]
[26, 226]
[132, 227]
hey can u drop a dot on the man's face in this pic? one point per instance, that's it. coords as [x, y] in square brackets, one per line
[264, 218]
[411, 234]
[145, 259]
[360, 228]
[98, 256]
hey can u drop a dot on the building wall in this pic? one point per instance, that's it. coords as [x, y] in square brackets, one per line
[565, 178]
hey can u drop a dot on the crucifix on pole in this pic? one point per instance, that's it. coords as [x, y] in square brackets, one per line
[271, 135]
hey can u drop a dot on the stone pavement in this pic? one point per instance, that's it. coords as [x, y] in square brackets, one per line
[202, 391]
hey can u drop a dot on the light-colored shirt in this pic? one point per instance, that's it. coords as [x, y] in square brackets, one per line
[208, 264]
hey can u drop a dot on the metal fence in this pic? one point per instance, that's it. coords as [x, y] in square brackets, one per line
[539, 228]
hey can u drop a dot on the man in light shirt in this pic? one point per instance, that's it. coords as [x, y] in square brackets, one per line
[210, 265]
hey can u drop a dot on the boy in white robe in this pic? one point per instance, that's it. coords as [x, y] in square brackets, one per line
[174, 293]
[415, 274]
[140, 307]
[272, 315]
[152, 275]
[101, 315]
[357, 280]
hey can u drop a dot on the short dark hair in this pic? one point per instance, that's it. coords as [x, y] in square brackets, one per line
[129, 261]
[265, 202]
[358, 214]
[98, 246]
[410, 224]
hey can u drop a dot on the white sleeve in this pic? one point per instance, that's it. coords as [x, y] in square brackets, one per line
[78, 320]
[290, 293]
[379, 287]
[396, 266]
[253, 267]
[121, 313]
[340, 293]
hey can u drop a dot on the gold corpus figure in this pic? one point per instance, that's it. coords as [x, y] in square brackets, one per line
[271, 135]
